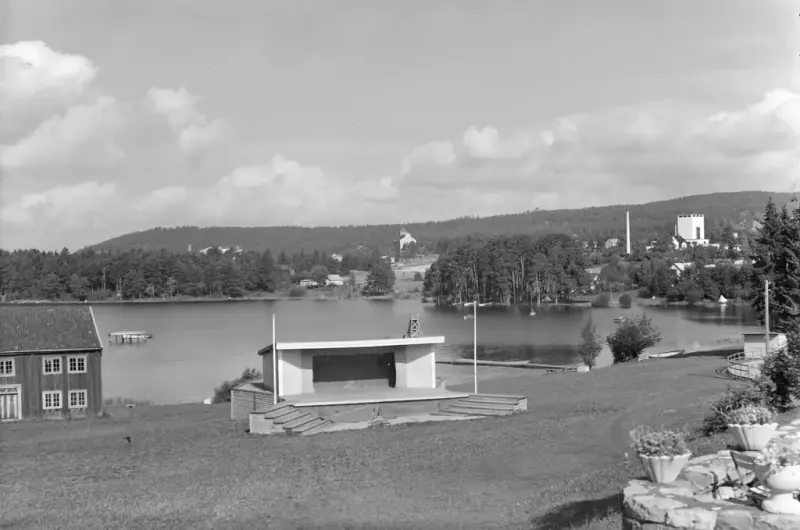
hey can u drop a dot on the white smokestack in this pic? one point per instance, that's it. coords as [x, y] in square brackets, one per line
[628, 232]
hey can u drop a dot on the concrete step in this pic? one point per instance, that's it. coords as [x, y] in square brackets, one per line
[485, 405]
[313, 427]
[297, 422]
[470, 411]
[278, 411]
[500, 397]
[448, 413]
[286, 418]
[492, 401]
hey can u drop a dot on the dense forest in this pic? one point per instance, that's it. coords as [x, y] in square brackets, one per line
[136, 274]
[648, 222]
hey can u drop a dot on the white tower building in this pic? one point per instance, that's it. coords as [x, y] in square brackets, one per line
[692, 228]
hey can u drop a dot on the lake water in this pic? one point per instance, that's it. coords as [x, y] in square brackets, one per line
[198, 345]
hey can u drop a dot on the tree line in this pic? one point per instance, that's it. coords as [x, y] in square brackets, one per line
[525, 270]
[135, 274]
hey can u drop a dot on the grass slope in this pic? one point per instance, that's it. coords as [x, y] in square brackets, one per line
[605, 221]
[559, 466]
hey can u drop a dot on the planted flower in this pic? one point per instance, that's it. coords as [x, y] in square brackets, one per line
[753, 426]
[778, 467]
[663, 453]
[751, 415]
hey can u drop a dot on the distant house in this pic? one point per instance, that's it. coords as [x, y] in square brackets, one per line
[335, 279]
[680, 268]
[308, 283]
[612, 243]
[405, 239]
[50, 363]
[337, 257]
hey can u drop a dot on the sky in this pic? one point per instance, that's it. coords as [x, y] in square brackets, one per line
[121, 116]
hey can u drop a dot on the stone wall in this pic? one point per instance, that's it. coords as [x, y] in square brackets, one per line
[707, 495]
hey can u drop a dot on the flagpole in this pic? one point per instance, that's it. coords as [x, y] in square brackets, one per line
[475, 346]
[274, 365]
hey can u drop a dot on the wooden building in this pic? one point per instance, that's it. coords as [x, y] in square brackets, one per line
[50, 363]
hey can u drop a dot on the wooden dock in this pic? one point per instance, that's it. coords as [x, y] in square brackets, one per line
[514, 364]
[129, 337]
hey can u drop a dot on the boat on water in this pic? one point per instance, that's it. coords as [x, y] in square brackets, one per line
[664, 354]
[620, 319]
[129, 336]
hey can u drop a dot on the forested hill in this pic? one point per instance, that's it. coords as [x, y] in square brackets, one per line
[647, 222]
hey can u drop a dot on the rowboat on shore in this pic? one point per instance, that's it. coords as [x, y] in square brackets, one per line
[664, 354]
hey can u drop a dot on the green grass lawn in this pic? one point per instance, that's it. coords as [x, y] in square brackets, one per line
[561, 465]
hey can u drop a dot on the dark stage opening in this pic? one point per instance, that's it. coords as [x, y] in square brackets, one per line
[369, 370]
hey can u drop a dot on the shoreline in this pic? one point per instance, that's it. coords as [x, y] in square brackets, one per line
[203, 300]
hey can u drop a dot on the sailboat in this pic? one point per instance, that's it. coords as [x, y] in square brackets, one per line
[722, 300]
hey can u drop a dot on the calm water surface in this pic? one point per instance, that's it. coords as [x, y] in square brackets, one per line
[196, 346]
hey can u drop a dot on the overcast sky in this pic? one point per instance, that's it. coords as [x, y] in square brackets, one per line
[118, 115]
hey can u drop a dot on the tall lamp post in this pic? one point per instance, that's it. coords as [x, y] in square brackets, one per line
[766, 317]
[474, 317]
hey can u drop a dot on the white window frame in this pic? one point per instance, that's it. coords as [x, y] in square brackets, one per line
[85, 395]
[77, 358]
[58, 393]
[52, 358]
[10, 373]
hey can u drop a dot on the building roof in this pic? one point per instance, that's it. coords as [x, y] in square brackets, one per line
[335, 278]
[45, 329]
[353, 344]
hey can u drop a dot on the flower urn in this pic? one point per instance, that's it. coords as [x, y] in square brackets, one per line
[753, 437]
[782, 482]
[664, 469]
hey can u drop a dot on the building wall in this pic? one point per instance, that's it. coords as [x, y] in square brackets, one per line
[420, 366]
[29, 374]
[290, 373]
[266, 369]
[754, 344]
[688, 225]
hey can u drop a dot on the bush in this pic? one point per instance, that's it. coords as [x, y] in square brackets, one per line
[631, 338]
[222, 394]
[591, 346]
[297, 292]
[735, 397]
[625, 300]
[647, 442]
[601, 301]
[780, 374]
[418, 277]
[751, 415]
[672, 295]
[694, 295]
[644, 292]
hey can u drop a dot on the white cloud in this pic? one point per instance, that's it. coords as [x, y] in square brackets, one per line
[636, 153]
[32, 70]
[382, 191]
[61, 207]
[430, 154]
[84, 133]
[179, 107]
[35, 82]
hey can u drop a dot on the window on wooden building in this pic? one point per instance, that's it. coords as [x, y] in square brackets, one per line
[77, 399]
[7, 367]
[76, 364]
[51, 399]
[52, 365]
